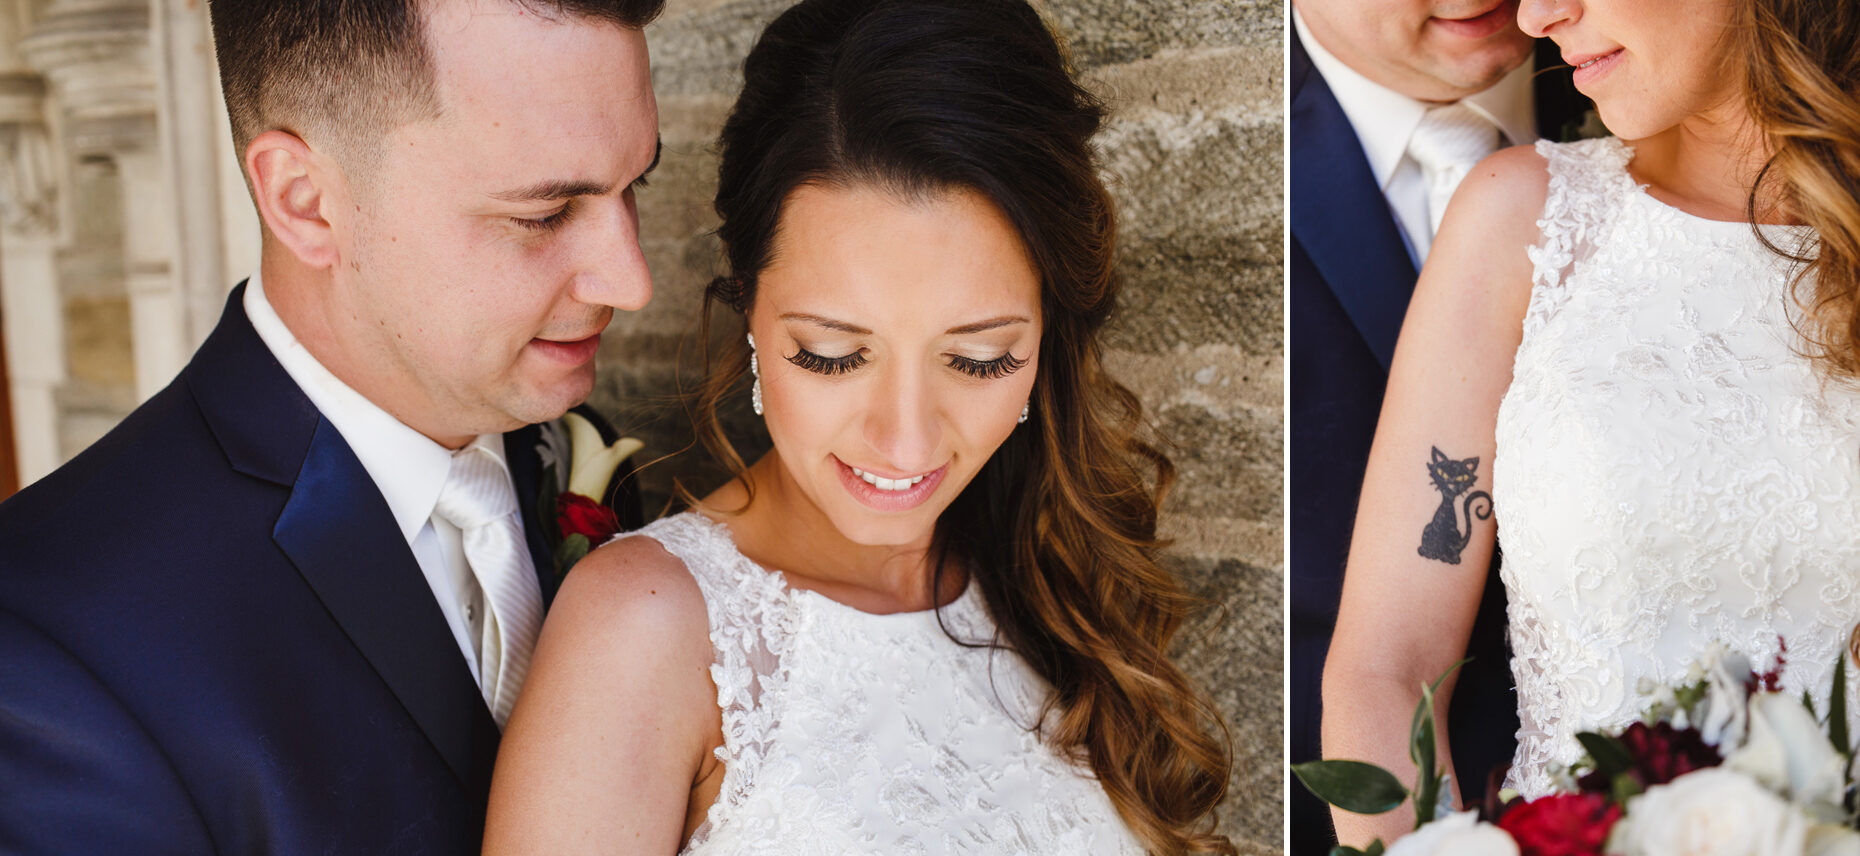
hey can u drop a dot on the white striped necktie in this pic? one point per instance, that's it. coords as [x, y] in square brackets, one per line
[1447, 144]
[479, 500]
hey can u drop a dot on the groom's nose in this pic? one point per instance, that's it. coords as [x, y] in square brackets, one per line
[612, 268]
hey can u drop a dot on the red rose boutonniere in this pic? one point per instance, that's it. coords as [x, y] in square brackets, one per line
[577, 469]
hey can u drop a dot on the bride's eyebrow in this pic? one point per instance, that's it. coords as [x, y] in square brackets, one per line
[828, 323]
[990, 324]
[964, 330]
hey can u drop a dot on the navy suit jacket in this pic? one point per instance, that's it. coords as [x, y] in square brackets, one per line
[1350, 280]
[216, 639]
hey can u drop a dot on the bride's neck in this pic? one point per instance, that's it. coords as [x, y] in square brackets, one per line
[782, 529]
[1706, 165]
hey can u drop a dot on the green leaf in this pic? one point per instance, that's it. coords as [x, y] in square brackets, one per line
[1611, 756]
[1624, 787]
[1422, 748]
[1375, 849]
[1837, 708]
[573, 549]
[1352, 785]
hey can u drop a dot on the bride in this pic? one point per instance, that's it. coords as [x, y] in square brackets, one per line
[931, 619]
[1632, 360]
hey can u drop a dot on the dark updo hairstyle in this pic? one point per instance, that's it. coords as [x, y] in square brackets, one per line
[921, 98]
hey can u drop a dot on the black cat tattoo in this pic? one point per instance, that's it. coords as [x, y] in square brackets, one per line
[1442, 539]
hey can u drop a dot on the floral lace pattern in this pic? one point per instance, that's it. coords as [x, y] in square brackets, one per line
[847, 732]
[1670, 469]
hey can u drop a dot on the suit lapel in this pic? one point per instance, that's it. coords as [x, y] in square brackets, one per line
[1340, 216]
[338, 532]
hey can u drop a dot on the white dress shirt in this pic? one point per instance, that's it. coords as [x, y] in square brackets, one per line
[1384, 120]
[407, 467]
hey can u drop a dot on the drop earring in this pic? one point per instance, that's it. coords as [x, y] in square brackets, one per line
[1023, 413]
[755, 389]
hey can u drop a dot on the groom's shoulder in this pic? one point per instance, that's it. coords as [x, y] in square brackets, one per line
[156, 481]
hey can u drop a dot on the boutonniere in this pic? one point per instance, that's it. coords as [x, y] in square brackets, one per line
[578, 467]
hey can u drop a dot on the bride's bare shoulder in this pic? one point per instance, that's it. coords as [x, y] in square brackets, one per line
[633, 587]
[1505, 191]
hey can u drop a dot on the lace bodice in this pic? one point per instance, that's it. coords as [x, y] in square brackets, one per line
[1670, 471]
[848, 732]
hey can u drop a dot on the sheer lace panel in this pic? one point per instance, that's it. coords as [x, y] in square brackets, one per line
[1670, 470]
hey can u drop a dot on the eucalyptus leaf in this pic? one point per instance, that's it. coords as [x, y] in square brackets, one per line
[1352, 785]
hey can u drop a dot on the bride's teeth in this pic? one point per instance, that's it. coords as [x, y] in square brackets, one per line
[884, 483]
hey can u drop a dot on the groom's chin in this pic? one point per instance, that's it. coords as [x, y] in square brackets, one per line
[546, 400]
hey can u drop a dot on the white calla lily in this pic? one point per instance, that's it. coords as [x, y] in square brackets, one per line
[592, 462]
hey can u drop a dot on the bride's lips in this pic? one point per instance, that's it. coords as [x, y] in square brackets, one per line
[1592, 66]
[889, 500]
[1482, 25]
[571, 353]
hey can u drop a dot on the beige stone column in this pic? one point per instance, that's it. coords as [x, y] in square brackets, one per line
[34, 315]
[195, 149]
[95, 55]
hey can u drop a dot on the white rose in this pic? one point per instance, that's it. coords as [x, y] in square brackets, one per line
[1712, 812]
[1832, 839]
[1458, 834]
[1787, 752]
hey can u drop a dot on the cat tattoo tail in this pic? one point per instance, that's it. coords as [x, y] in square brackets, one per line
[1442, 540]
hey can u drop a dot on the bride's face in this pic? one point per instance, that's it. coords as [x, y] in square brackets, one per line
[897, 342]
[1648, 64]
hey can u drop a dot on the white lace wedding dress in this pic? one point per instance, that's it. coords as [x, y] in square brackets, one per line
[847, 732]
[1671, 471]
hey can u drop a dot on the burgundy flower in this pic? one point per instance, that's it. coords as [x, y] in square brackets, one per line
[578, 515]
[1661, 754]
[1561, 825]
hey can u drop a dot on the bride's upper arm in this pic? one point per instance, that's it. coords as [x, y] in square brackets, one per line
[1416, 571]
[617, 715]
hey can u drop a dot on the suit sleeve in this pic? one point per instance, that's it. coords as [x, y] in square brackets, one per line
[78, 773]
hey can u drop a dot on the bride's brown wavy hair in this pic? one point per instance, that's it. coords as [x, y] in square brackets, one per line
[925, 97]
[1801, 66]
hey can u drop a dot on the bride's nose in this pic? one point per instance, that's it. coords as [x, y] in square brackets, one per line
[903, 422]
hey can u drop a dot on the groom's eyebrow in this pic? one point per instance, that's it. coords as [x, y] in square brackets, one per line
[556, 188]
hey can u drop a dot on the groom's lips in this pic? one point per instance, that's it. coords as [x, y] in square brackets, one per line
[573, 353]
[1484, 24]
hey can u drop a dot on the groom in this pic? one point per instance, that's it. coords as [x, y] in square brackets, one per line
[285, 607]
[1391, 103]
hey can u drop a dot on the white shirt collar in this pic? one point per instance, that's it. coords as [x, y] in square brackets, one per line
[1384, 119]
[407, 466]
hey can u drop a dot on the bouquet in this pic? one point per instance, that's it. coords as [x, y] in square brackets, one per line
[1724, 763]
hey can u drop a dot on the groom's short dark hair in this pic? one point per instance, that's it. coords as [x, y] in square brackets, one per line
[347, 70]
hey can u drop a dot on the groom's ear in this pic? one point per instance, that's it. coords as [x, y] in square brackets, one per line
[293, 186]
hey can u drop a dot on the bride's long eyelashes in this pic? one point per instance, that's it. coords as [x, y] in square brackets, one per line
[999, 367]
[827, 365]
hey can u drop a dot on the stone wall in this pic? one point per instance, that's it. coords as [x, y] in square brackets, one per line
[1193, 155]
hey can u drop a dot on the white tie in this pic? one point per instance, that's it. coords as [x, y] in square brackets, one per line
[478, 499]
[1447, 143]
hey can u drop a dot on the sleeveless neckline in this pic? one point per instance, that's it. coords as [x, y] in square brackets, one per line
[965, 603]
[848, 732]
